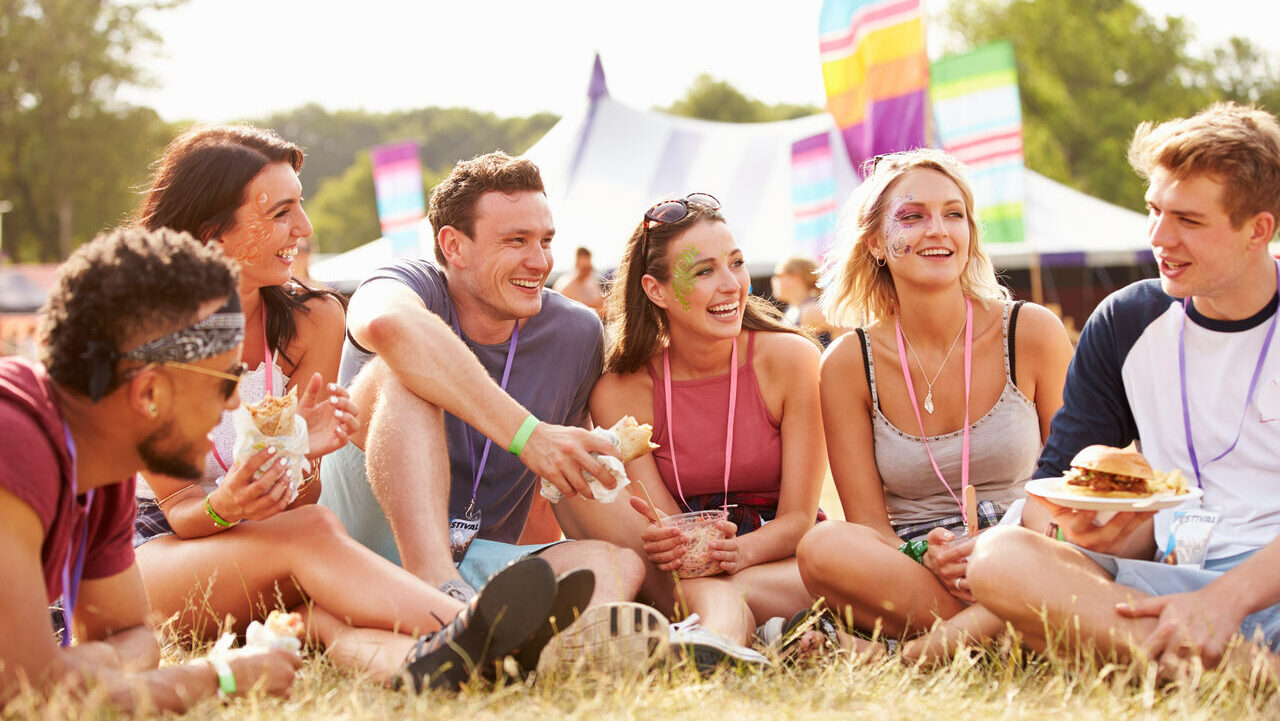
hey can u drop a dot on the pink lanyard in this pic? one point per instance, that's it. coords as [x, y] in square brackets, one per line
[911, 393]
[733, 405]
[73, 567]
[268, 384]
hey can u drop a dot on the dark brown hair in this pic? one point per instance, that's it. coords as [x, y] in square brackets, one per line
[198, 184]
[638, 327]
[122, 288]
[453, 202]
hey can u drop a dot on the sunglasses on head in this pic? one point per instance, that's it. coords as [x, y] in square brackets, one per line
[673, 211]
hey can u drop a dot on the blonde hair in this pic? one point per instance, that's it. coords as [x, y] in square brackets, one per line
[1236, 145]
[859, 291]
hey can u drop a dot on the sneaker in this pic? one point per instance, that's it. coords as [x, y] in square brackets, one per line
[573, 593]
[708, 650]
[513, 605]
[616, 638]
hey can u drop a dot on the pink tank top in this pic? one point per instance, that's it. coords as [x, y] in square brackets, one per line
[700, 412]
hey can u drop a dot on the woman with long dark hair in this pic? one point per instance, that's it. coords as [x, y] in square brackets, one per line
[233, 544]
[732, 394]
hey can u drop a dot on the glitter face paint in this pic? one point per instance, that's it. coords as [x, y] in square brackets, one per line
[682, 276]
[895, 228]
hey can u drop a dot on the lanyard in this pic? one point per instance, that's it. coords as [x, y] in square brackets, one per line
[488, 442]
[268, 384]
[73, 567]
[968, 376]
[1253, 385]
[733, 406]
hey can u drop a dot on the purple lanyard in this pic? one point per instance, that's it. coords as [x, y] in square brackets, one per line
[73, 567]
[471, 448]
[1253, 384]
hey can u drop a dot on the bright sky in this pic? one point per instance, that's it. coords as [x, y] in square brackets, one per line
[234, 59]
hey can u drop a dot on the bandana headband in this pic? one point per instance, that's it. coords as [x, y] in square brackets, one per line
[215, 335]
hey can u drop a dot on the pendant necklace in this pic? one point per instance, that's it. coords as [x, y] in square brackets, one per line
[928, 396]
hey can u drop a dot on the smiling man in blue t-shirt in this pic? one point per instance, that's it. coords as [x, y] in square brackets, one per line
[1187, 367]
[473, 380]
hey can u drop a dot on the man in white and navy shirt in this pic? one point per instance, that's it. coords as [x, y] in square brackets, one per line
[1189, 368]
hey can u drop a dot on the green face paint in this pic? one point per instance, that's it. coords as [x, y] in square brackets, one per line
[682, 276]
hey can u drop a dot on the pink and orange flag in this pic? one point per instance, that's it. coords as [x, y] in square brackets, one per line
[876, 73]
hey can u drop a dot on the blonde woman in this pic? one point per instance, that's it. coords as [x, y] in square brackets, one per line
[945, 384]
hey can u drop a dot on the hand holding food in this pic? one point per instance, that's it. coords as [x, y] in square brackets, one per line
[631, 440]
[273, 421]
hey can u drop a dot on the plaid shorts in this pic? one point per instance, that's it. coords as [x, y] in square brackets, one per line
[989, 513]
[150, 522]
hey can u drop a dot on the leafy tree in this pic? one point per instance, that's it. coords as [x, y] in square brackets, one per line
[1091, 70]
[711, 99]
[69, 154]
[344, 214]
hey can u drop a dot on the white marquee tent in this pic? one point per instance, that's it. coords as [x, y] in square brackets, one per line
[606, 162]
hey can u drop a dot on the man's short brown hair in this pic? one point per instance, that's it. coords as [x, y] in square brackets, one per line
[1236, 145]
[453, 202]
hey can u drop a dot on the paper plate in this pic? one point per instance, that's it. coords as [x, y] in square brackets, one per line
[1051, 489]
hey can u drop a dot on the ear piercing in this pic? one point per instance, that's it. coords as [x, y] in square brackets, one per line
[152, 410]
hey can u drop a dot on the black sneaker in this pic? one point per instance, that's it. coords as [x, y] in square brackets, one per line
[508, 610]
[573, 592]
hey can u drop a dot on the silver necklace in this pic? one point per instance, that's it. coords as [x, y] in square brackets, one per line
[928, 398]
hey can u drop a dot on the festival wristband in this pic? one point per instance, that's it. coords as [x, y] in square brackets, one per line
[226, 679]
[208, 509]
[915, 549]
[522, 435]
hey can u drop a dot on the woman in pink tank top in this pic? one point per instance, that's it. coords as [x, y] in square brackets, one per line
[924, 392]
[732, 394]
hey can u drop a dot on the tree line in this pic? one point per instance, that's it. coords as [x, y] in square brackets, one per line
[73, 158]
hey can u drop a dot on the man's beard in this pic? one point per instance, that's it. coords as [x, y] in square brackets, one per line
[158, 460]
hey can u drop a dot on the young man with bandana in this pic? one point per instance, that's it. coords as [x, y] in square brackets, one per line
[473, 380]
[134, 374]
[1187, 367]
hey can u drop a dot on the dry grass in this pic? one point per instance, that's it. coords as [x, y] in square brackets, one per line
[1001, 684]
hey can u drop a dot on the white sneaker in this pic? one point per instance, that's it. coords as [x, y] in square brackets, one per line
[614, 638]
[708, 649]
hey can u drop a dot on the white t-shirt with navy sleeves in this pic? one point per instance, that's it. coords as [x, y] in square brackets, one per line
[1123, 385]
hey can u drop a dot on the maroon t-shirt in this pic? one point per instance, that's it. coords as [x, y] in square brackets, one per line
[35, 466]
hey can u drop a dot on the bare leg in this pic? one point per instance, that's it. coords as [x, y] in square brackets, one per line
[407, 462]
[258, 566]
[375, 652]
[619, 524]
[618, 571]
[733, 605]
[1037, 583]
[541, 526]
[861, 575]
[974, 625]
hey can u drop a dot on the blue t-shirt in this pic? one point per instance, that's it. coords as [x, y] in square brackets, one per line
[559, 357]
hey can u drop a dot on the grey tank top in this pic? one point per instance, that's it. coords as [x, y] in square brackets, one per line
[1004, 445]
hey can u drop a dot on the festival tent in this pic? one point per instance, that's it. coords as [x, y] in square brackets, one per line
[605, 162]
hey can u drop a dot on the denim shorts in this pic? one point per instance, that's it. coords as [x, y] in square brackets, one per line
[345, 490]
[1161, 579]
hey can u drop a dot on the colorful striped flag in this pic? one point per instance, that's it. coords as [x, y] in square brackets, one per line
[813, 194]
[397, 182]
[979, 117]
[876, 73]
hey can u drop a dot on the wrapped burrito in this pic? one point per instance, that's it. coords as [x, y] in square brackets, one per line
[273, 421]
[632, 441]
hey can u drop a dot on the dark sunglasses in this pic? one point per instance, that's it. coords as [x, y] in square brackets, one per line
[230, 380]
[673, 211]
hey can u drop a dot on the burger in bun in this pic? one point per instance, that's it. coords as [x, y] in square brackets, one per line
[1111, 472]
